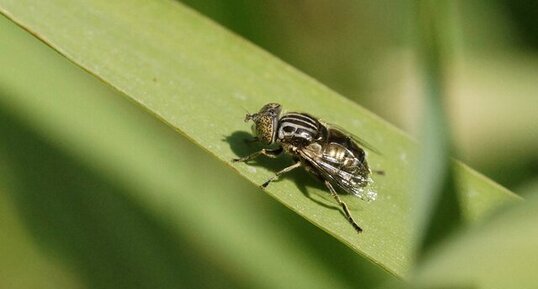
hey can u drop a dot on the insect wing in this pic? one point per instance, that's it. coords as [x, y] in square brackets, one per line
[352, 136]
[349, 182]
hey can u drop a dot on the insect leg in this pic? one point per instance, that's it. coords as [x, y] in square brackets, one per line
[344, 206]
[277, 174]
[272, 153]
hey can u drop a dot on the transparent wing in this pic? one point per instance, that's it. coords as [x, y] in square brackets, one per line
[354, 137]
[350, 181]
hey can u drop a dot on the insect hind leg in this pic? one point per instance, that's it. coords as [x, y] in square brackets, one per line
[344, 206]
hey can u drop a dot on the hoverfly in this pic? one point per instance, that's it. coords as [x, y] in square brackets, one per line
[325, 151]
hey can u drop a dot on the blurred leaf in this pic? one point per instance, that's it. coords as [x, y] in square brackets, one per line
[196, 77]
[437, 207]
[96, 193]
[88, 219]
[501, 253]
[22, 264]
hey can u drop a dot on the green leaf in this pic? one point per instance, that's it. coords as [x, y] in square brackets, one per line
[196, 77]
[97, 193]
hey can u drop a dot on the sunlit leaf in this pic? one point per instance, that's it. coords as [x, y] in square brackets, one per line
[97, 193]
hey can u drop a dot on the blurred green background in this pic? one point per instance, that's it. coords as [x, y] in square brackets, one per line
[74, 154]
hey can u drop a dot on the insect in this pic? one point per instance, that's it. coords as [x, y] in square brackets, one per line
[325, 151]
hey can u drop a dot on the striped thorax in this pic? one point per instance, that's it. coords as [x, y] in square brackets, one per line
[298, 127]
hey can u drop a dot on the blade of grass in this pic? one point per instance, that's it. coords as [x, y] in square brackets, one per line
[90, 167]
[196, 77]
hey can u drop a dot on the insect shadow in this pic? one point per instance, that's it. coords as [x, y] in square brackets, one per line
[241, 145]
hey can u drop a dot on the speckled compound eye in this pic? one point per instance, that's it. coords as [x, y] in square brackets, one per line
[265, 127]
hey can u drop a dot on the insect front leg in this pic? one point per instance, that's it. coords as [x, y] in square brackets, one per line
[344, 207]
[272, 153]
[277, 174]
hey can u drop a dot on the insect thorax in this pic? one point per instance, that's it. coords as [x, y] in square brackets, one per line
[298, 129]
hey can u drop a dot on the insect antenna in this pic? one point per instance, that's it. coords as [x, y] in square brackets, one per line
[248, 115]
[246, 110]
